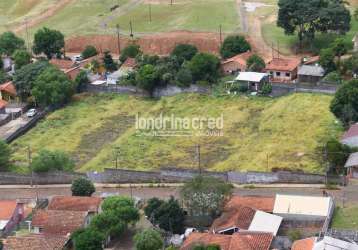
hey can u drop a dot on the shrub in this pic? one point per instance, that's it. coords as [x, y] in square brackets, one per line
[266, 89]
[294, 235]
[89, 51]
[333, 77]
[148, 239]
[204, 67]
[82, 187]
[4, 155]
[47, 161]
[234, 45]
[88, 239]
[131, 51]
[184, 52]
[243, 88]
[255, 63]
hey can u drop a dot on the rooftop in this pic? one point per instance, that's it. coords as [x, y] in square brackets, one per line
[62, 63]
[35, 242]
[352, 160]
[284, 64]
[263, 203]
[7, 209]
[75, 203]
[237, 241]
[351, 132]
[304, 244]
[9, 88]
[129, 63]
[59, 222]
[240, 58]
[311, 70]
[250, 76]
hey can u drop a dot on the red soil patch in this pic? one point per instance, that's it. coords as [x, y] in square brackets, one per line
[160, 43]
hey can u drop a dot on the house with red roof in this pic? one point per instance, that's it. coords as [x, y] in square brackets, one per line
[7, 91]
[237, 241]
[12, 212]
[35, 242]
[326, 242]
[350, 137]
[236, 63]
[283, 70]
[76, 203]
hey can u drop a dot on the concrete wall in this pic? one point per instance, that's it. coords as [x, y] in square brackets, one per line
[171, 90]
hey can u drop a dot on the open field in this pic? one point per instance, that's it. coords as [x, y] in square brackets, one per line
[346, 218]
[258, 134]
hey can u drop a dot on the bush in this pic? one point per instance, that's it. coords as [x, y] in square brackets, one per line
[89, 51]
[21, 58]
[294, 235]
[204, 67]
[148, 239]
[131, 51]
[184, 52]
[234, 45]
[255, 63]
[88, 239]
[47, 161]
[82, 187]
[4, 155]
[243, 88]
[266, 89]
[333, 77]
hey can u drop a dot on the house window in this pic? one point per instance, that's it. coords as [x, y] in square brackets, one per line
[271, 73]
[288, 74]
[278, 73]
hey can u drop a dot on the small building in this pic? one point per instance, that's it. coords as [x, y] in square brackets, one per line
[62, 64]
[355, 42]
[237, 241]
[352, 165]
[236, 63]
[12, 212]
[35, 242]
[76, 203]
[283, 70]
[263, 203]
[310, 73]
[59, 222]
[7, 91]
[325, 243]
[254, 80]
[350, 137]
[311, 60]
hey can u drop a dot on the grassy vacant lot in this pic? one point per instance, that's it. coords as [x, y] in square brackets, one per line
[84, 17]
[346, 218]
[258, 134]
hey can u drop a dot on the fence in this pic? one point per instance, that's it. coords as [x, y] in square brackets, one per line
[297, 87]
[130, 90]
[343, 234]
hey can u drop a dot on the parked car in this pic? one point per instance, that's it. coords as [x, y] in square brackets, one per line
[31, 113]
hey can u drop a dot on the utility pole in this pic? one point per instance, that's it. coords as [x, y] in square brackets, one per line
[29, 162]
[27, 35]
[117, 152]
[131, 28]
[171, 2]
[198, 157]
[221, 38]
[267, 162]
[150, 12]
[118, 40]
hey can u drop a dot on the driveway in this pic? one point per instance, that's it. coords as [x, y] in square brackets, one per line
[12, 126]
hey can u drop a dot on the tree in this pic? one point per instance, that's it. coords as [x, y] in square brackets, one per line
[47, 161]
[89, 51]
[148, 239]
[123, 206]
[50, 42]
[82, 187]
[326, 60]
[339, 48]
[25, 77]
[52, 87]
[204, 67]
[88, 239]
[255, 63]
[184, 52]
[184, 77]
[266, 89]
[147, 77]
[351, 64]
[109, 64]
[205, 195]
[108, 223]
[21, 58]
[81, 81]
[333, 77]
[345, 103]
[170, 216]
[152, 207]
[208, 247]
[356, 14]
[131, 51]
[5, 154]
[306, 17]
[9, 42]
[234, 45]
[337, 155]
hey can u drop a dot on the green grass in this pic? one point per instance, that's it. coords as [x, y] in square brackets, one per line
[346, 218]
[288, 130]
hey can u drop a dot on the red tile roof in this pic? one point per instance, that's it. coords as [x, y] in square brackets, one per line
[312, 60]
[262, 203]
[7, 208]
[129, 63]
[238, 217]
[305, 244]
[237, 241]
[62, 63]
[9, 88]
[240, 58]
[351, 132]
[75, 203]
[283, 64]
[3, 104]
[35, 242]
[58, 222]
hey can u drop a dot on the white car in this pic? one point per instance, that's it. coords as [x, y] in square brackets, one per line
[31, 113]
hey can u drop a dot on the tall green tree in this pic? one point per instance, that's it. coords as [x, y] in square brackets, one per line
[48, 41]
[337, 155]
[21, 58]
[234, 45]
[345, 103]
[109, 64]
[82, 187]
[52, 87]
[306, 17]
[255, 63]
[5, 154]
[123, 206]
[326, 60]
[340, 48]
[132, 51]
[148, 239]
[81, 81]
[205, 195]
[204, 67]
[170, 216]
[9, 42]
[108, 223]
[89, 51]
[184, 52]
[25, 77]
[88, 239]
[147, 77]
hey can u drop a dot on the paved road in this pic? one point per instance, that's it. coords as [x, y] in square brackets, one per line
[12, 126]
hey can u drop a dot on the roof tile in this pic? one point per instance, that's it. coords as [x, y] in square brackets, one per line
[75, 203]
[35, 242]
[284, 64]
